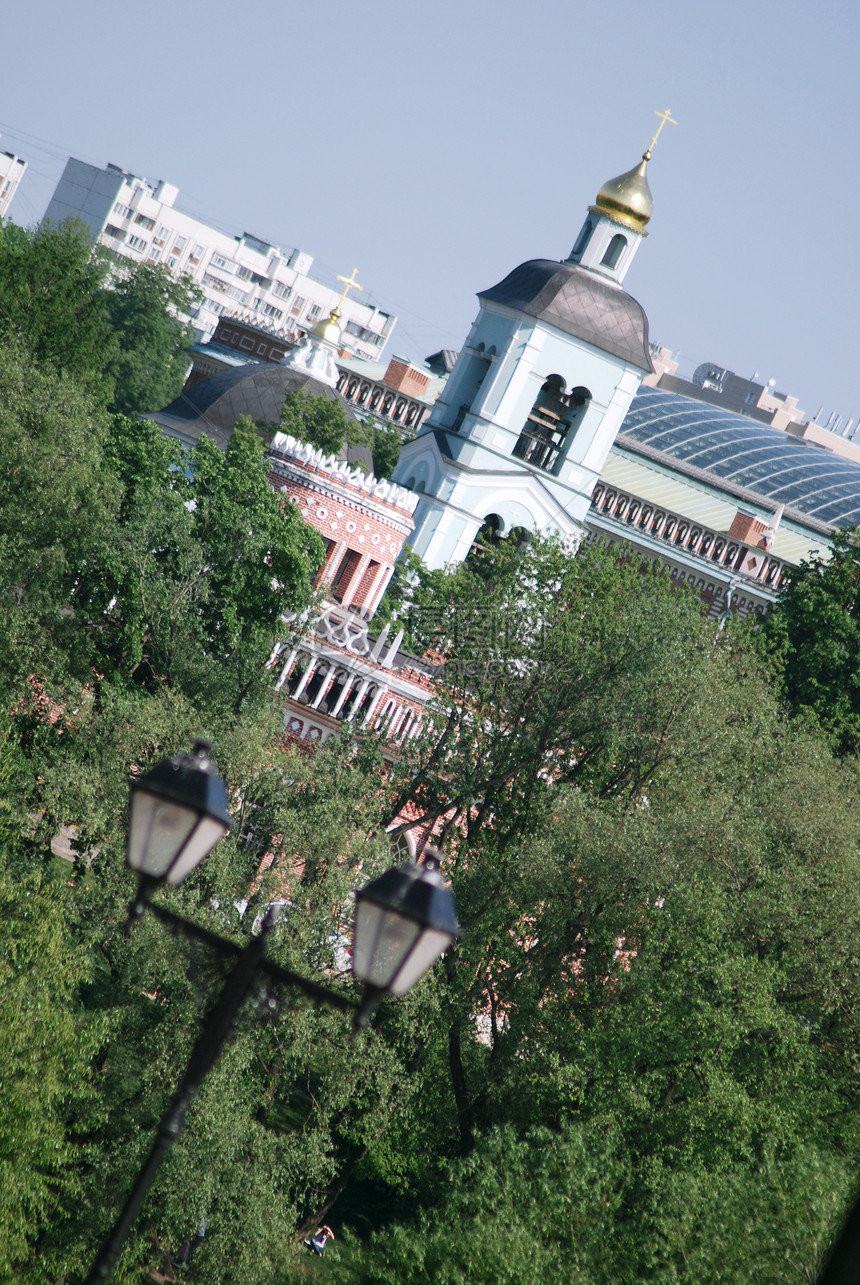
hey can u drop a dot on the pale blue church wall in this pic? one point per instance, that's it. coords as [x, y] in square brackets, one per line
[534, 352]
[463, 386]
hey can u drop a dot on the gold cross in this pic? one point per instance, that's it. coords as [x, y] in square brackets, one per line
[350, 283]
[664, 117]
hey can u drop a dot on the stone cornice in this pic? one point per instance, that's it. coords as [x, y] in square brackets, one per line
[388, 495]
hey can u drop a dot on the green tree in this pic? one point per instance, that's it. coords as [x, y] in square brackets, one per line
[57, 500]
[812, 638]
[321, 421]
[143, 304]
[385, 443]
[52, 298]
[550, 1204]
[46, 1040]
[260, 557]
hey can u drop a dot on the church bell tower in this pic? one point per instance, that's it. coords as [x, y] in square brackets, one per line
[540, 389]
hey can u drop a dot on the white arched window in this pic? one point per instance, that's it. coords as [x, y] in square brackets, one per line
[613, 252]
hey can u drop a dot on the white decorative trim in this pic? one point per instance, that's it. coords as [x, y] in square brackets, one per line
[385, 492]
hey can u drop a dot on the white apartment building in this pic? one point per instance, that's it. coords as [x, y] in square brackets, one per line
[11, 172]
[240, 276]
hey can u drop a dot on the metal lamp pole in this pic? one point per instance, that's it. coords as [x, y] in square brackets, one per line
[405, 921]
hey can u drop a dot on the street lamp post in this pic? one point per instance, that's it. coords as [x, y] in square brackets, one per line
[404, 921]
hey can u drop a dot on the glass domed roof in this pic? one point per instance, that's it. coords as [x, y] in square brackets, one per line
[782, 469]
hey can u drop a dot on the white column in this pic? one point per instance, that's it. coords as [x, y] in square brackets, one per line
[380, 584]
[324, 686]
[333, 563]
[359, 698]
[402, 723]
[306, 678]
[347, 688]
[393, 649]
[291, 659]
[392, 712]
[373, 706]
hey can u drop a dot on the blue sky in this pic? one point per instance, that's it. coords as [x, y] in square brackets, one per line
[435, 146]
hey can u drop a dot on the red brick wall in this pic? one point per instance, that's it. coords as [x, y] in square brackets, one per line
[405, 378]
[344, 523]
[745, 527]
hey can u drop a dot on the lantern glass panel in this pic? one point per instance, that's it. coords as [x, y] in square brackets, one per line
[383, 939]
[161, 830]
[201, 843]
[425, 952]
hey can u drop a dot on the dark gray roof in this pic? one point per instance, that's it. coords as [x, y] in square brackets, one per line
[211, 407]
[443, 361]
[580, 304]
[781, 469]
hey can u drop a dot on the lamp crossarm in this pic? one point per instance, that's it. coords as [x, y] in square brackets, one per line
[225, 946]
[250, 961]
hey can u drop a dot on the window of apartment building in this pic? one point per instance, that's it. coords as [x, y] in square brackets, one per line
[282, 290]
[154, 254]
[179, 245]
[352, 328]
[313, 313]
[298, 304]
[161, 235]
[271, 311]
[110, 230]
[196, 254]
[218, 261]
[136, 242]
[148, 224]
[123, 211]
[215, 283]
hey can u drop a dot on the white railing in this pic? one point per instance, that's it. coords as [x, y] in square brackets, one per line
[690, 537]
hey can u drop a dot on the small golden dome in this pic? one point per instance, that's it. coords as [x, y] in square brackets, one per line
[627, 199]
[329, 329]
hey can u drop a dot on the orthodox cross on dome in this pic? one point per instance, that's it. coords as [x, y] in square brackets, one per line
[350, 283]
[664, 117]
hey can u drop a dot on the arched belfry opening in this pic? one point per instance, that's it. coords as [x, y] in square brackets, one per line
[488, 536]
[552, 420]
[615, 249]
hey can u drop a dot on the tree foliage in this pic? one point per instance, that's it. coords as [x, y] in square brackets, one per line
[325, 423]
[52, 298]
[111, 327]
[320, 421]
[142, 304]
[385, 441]
[640, 1061]
[812, 638]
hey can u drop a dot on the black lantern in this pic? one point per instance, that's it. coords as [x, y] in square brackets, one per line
[177, 813]
[404, 921]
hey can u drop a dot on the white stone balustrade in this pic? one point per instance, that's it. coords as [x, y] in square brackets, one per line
[693, 538]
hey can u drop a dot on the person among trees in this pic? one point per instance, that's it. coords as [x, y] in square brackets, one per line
[317, 1243]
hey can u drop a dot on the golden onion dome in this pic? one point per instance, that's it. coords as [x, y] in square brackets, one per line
[627, 199]
[329, 329]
